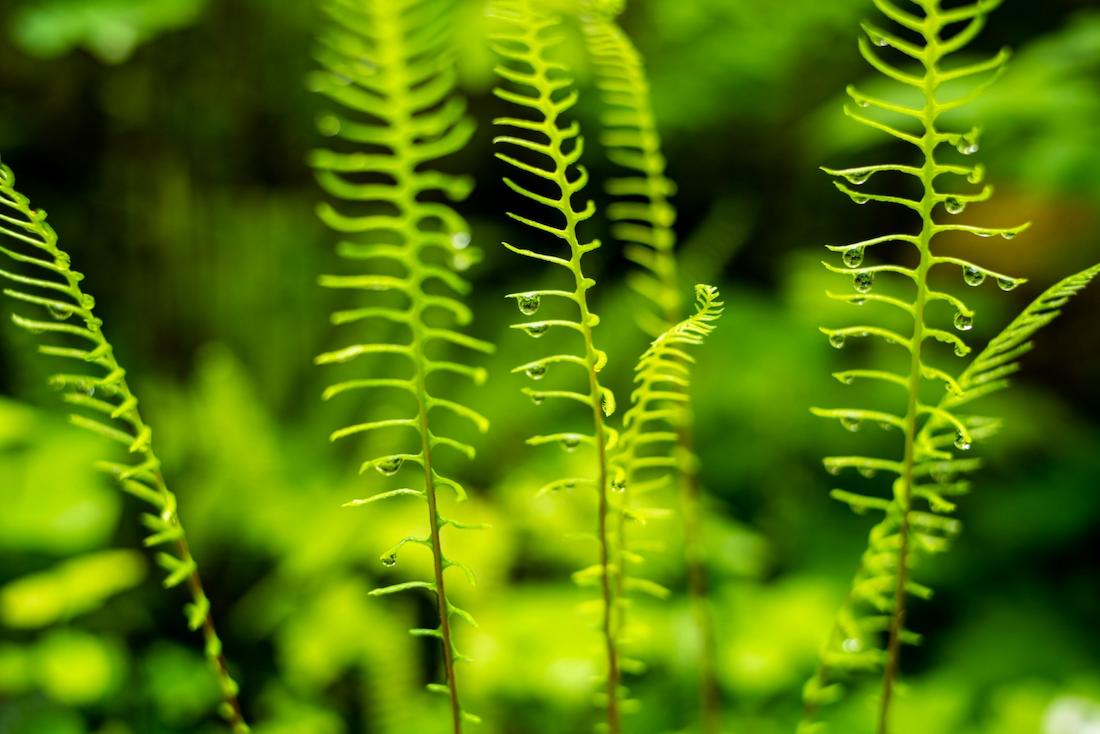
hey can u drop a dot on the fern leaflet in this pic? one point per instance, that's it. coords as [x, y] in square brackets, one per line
[97, 390]
[388, 65]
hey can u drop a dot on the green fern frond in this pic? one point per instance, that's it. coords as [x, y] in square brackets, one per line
[877, 606]
[645, 459]
[545, 149]
[388, 66]
[641, 212]
[94, 385]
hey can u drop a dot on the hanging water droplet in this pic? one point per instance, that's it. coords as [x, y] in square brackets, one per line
[862, 103]
[536, 330]
[833, 469]
[570, 442]
[569, 485]
[860, 198]
[529, 303]
[968, 144]
[973, 276]
[864, 282]
[853, 258]
[885, 426]
[852, 645]
[977, 174]
[536, 371]
[961, 350]
[1007, 284]
[460, 240]
[538, 398]
[1009, 234]
[618, 485]
[837, 340]
[858, 178]
[868, 472]
[961, 442]
[851, 423]
[329, 125]
[389, 560]
[954, 205]
[857, 300]
[390, 466]
[59, 311]
[845, 378]
[607, 404]
[963, 321]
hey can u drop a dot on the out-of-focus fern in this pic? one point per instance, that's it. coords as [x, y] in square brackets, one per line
[927, 466]
[388, 65]
[643, 218]
[549, 150]
[96, 388]
[645, 459]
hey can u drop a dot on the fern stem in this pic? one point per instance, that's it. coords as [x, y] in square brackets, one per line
[904, 489]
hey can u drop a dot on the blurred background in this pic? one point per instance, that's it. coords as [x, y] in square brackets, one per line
[167, 139]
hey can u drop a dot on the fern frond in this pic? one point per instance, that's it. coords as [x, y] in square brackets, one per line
[93, 383]
[877, 605]
[641, 211]
[388, 67]
[544, 151]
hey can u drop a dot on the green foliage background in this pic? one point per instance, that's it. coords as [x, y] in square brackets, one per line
[168, 139]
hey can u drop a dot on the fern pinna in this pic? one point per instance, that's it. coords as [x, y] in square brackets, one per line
[550, 149]
[643, 218]
[935, 435]
[387, 64]
[96, 388]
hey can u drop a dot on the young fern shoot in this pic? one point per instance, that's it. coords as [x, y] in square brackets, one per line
[643, 218]
[95, 386]
[884, 583]
[388, 65]
[550, 149]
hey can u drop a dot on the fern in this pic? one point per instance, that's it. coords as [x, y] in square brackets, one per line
[97, 390]
[884, 583]
[645, 459]
[643, 219]
[540, 90]
[387, 64]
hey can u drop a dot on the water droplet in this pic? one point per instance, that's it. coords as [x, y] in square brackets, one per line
[461, 240]
[1009, 234]
[618, 485]
[538, 398]
[961, 350]
[529, 303]
[570, 442]
[860, 198]
[833, 469]
[837, 340]
[862, 103]
[853, 258]
[868, 472]
[850, 423]
[390, 466]
[885, 426]
[864, 282]
[977, 174]
[1007, 284]
[846, 378]
[536, 371]
[858, 178]
[852, 645]
[968, 144]
[536, 330]
[961, 442]
[60, 312]
[963, 321]
[954, 205]
[857, 300]
[390, 560]
[973, 276]
[329, 125]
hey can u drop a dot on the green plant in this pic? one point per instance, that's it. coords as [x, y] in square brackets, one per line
[549, 150]
[387, 64]
[98, 391]
[643, 219]
[935, 434]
